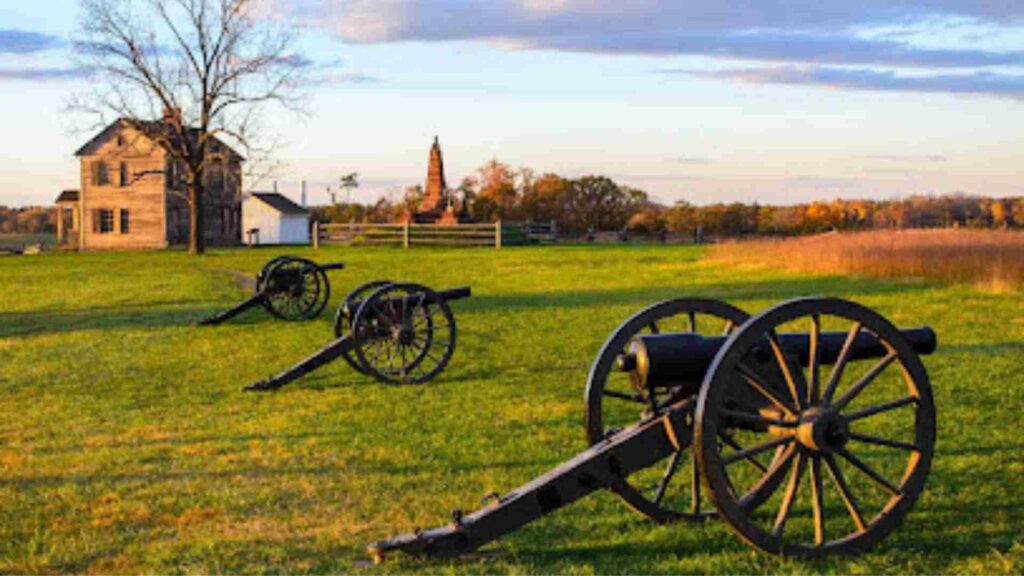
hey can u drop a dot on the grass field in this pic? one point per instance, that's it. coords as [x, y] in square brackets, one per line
[126, 445]
[992, 260]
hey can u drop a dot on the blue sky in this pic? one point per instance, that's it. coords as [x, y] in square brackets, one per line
[774, 101]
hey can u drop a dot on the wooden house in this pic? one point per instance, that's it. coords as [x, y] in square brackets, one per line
[133, 195]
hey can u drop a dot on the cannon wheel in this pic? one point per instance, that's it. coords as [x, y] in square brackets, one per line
[868, 427]
[264, 273]
[303, 300]
[404, 334]
[706, 316]
[343, 318]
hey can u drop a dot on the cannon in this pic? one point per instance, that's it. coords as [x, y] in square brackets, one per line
[809, 429]
[398, 333]
[289, 288]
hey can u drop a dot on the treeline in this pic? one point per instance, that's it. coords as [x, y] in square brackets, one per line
[497, 191]
[28, 220]
[738, 219]
[597, 203]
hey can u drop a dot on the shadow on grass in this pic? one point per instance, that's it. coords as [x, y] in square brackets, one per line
[984, 349]
[13, 324]
[747, 290]
[142, 316]
[285, 471]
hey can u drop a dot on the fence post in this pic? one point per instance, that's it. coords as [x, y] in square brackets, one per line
[497, 234]
[316, 235]
[405, 235]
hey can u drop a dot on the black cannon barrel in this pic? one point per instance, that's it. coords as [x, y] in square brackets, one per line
[665, 360]
[332, 266]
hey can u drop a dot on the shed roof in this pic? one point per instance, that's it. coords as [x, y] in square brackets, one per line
[282, 204]
[68, 196]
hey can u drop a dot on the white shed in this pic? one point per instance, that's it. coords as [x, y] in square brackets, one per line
[270, 218]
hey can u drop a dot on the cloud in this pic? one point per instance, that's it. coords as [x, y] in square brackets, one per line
[906, 157]
[979, 82]
[42, 74]
[352, 78]
[823, 181]
[896, 172]
[844, 44]
[657, 177]
[14, 41]
[767, 30]
[770, 46]
[690, 160]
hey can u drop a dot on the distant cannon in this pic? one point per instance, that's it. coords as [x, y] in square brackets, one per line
[398, 333]
[764, 429]
[289, 288]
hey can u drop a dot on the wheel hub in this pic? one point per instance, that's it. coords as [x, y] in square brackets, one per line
[823, 430]
[403, 335]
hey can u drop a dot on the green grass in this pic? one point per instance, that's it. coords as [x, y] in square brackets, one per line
[126, 445]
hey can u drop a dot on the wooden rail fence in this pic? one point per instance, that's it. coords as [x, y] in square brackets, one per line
[497, 234]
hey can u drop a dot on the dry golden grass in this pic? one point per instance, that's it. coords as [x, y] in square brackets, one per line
[993, 259]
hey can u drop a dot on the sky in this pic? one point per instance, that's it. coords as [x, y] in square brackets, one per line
[706, 101]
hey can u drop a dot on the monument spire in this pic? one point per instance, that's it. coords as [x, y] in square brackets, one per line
[433, 196]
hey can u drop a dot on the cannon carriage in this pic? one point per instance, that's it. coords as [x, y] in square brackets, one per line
[395, 332]
[288, 287]
[809, 429]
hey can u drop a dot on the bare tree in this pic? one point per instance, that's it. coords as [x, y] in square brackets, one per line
[208, 69]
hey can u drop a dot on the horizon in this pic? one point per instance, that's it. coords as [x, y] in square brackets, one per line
[774, 105]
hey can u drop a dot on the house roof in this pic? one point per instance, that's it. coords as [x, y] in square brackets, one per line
[280, 203]
[145, 126]
[68, 196]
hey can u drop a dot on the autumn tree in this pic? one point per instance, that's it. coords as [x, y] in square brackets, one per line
[497, 195]
[207, 69]
[1017, 211]
[598, 203]
[547, 198]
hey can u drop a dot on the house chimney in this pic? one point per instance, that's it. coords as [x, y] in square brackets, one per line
[275, 186]
[303, 193]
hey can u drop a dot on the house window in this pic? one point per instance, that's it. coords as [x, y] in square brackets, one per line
[103, 221]
[123, 173]
[120, 140]
[172, 174]
[215, 176]
[125, 228]
[99, 173]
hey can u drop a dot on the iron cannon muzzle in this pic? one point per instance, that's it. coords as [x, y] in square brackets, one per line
[682, 359]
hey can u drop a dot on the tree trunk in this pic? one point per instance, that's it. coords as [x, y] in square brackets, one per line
[196, 230]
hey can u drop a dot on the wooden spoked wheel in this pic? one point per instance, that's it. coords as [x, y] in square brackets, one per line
[296, 289]
[403, 334]
[613, 402]
[856, 435]
[346, 312]
[261, 278]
